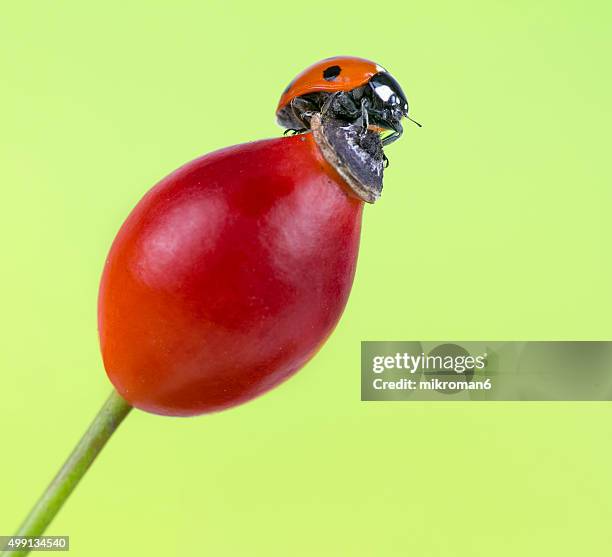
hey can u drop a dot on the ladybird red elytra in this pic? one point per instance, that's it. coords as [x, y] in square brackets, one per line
[347, 88]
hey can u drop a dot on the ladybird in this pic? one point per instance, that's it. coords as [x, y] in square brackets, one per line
[347, 88]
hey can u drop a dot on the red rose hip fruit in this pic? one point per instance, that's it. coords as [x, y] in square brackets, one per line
[229, 275]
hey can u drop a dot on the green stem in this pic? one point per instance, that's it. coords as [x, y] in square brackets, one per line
[112, 413]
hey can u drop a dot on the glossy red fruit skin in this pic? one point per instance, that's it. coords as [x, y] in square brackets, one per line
[227, 277]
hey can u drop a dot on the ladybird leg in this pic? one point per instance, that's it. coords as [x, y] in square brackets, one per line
[385, 160]
[346, 106]
[302, 113]
[307, 114]
[364, 119]
[392, 137]
[342, 105]
[398, 130]
[330, 101]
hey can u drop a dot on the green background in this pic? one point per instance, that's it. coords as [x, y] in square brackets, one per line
[494, 224]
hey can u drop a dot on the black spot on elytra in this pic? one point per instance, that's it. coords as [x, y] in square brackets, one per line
[331, 73]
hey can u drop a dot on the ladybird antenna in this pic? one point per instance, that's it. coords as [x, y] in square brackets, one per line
[414, 121]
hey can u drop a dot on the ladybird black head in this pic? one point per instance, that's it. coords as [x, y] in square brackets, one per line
[389, 92]
[331, 73]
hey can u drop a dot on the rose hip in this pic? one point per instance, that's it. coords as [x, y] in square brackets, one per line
[228, 276]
